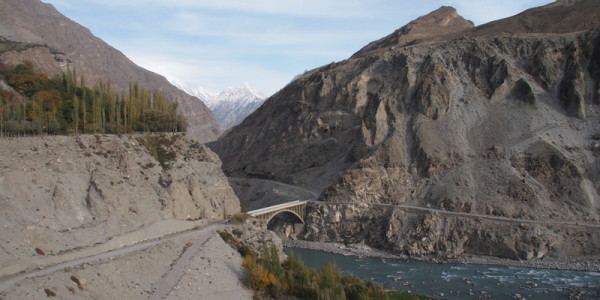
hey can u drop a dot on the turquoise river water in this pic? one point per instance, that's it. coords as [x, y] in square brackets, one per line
[462, 281]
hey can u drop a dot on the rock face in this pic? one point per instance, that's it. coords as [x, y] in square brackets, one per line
[64, 193]
[497, 120]
[413, 232]
[63, 43]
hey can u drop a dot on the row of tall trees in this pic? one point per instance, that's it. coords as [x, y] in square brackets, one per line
[65, 105]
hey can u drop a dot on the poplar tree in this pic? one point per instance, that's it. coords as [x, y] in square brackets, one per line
[65, 104]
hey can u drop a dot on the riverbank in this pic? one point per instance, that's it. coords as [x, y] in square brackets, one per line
[573, 264]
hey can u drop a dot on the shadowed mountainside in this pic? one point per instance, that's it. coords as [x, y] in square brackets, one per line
[498, 120]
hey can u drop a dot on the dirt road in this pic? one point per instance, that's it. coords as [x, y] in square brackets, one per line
[298, 189]
[204, 252]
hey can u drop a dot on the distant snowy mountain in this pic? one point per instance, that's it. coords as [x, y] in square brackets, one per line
[230, 106]
[200, 93]
[233, 105]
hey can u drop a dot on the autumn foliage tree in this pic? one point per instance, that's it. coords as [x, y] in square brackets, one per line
[292, 280]
[259, 277]
[65, 104]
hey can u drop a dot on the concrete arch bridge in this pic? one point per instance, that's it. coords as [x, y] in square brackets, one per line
[296, 208]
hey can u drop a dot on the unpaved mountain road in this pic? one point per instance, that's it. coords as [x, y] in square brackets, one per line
[479, 216]
[497, 218]
[258, 193]
[297, 189]
[200, 236]
[168, 282]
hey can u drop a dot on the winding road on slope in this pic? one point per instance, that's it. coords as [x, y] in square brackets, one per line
[435, 210]
[490, 217]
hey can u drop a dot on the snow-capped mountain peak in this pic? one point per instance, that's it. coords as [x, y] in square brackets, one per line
[230, 106]
[200, 93]
[182, 86]
[245, 93]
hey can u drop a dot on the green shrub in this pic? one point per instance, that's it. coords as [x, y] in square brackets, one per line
[159, 148]
[227, 237]
[244, 250]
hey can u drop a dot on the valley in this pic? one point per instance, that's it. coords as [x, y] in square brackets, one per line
[443, 142]
[349, 215]
[101, 209]
[453, 142]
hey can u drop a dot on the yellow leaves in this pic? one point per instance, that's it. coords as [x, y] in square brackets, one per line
[259, 278]
[263, 279]
[51, 99]
[249, 262]
[34, 111]
[299, 282]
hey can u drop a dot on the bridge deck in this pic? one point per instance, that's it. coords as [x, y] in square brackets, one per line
[274, 208]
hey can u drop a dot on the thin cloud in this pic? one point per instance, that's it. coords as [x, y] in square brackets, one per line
[324, 8]
[214, 75]
[263, 33]
[217, 44]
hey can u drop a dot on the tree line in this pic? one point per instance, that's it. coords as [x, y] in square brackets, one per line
[35, 103]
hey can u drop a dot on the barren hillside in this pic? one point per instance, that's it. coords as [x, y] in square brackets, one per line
[497, 120]
[64, 193]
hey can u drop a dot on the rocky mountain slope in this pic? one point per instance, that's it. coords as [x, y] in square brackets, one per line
[60, 42]
[498, 120]
[230, 106]
[433, 26]
[61, 194]
[107, 217]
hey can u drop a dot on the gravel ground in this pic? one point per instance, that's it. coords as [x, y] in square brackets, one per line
[192, 266]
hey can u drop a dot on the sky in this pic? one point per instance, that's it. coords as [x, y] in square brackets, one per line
[216, 44]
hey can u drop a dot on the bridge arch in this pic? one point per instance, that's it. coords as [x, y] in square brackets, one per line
[287, 212]
[296, 208]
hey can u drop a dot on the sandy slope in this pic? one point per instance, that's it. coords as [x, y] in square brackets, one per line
[97, 217]
[193, 265]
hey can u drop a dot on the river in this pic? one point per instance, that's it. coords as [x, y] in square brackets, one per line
[462, 281]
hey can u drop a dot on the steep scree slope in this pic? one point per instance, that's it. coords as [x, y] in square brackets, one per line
[64, 193]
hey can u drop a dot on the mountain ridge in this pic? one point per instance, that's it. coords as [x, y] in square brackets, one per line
[439, 23]
[483, 121]
[555, 17]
